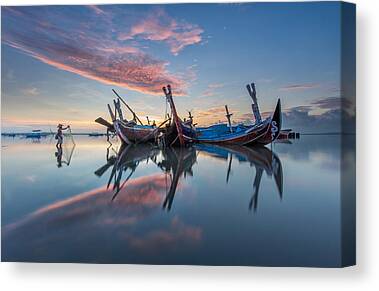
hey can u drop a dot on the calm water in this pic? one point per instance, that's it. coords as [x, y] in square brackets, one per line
[206, 205]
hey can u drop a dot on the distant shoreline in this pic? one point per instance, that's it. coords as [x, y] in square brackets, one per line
[100, 133]
[329, 133]
[49, 133]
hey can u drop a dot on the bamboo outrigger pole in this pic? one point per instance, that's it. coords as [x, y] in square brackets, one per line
[113, 117]
[118, 108]
[254, 105]
[168, 94]
[190, 116]
[127, 106]
[228, 115]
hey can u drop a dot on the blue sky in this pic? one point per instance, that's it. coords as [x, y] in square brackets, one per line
[59, 63]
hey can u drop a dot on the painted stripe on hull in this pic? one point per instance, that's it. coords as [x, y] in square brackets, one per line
[245, 138]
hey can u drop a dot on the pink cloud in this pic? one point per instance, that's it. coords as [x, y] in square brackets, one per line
[211, 89]
[89, 47]
[159, 26]
[215, 112]
[96, 9]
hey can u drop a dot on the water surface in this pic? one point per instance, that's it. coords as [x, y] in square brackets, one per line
[211, 205]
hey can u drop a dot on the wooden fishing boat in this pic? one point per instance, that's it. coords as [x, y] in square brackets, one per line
[132, 131]
[261, 132]
[181, 133]
[264, 132]
[178, 132]
[36, 134]
[175, 133]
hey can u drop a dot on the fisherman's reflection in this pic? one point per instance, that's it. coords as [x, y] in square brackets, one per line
[64, 159]
[58, 155]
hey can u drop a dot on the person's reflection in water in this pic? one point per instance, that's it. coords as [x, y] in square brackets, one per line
[58, 155]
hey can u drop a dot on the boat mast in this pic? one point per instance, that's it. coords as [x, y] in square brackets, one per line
[168, 94]
[117, 107]
[254, 105]
[135, 117]
[113, 117]
[190, 116]
[228, 116]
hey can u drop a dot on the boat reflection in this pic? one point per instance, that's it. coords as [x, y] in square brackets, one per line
[259, 157]
[177, 163]
[173, 162]
[128, 160]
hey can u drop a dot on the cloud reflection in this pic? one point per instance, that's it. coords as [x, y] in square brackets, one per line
[92, 214]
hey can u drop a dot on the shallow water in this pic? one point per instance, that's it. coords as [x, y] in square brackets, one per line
[206, 205]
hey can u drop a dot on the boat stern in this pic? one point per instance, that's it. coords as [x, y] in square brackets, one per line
[274, 127]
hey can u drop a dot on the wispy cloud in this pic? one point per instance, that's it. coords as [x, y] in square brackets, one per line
[8, 75]
[211, 89]
[86, 44]
[31, 91]
[295, 87]
[159, 26]
[215, 111]
[96, 9]
[332, 103]
[214, 114]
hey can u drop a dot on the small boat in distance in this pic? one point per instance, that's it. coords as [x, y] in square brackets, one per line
[36, 134]
[8, 134]
[95, 134]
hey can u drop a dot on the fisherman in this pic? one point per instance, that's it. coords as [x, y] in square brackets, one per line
[59, 135]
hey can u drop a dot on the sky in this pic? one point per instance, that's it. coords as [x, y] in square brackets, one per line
[59, 63]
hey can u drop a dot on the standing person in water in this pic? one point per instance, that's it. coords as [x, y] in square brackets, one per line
[59, 135]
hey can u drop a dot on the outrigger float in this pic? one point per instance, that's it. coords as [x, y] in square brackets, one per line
[175, 132]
